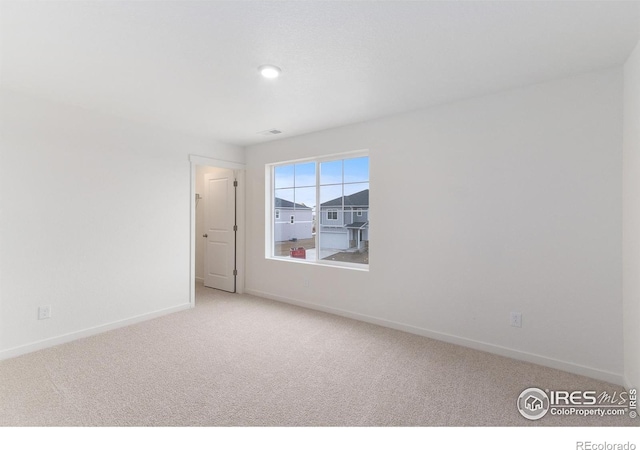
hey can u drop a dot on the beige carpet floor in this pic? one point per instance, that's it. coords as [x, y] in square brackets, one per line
[238, 360]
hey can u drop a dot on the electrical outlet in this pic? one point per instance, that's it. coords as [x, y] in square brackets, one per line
[516, 319]
[44, 312]
[305, 282]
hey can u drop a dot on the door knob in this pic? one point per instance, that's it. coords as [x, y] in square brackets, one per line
[205, 235]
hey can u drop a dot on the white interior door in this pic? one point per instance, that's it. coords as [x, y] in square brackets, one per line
[219, 256]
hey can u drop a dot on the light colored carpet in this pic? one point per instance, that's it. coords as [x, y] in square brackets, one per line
[242, 360]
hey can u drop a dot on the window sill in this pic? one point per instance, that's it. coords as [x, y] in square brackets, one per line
[335, 264]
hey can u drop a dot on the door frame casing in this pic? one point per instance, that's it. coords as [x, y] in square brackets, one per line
[239, 168]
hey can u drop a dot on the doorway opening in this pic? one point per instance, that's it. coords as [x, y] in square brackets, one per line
[217, 225]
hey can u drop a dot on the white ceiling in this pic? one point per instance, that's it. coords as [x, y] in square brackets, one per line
[192, 66]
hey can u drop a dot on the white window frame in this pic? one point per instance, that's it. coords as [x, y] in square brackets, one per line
[359, 212]
[277, 214]
[330, 211]
[269, 224]
[292, 219]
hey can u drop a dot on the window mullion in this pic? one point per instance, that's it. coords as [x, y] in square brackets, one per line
[318, 212]
[342, 186]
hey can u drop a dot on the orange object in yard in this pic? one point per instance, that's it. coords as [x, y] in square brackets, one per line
[299, 252]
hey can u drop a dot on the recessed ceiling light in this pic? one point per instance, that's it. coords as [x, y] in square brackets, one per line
[270, 71]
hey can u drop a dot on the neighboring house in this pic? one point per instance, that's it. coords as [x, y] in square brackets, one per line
[344, 222]
[292, 221]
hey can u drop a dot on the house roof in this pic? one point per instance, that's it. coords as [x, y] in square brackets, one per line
[282, 203]
[358, 199]
[357, 225]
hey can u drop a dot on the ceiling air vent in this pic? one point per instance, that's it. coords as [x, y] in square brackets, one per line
[269, 132]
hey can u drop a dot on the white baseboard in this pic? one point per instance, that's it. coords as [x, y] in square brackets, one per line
[465, 342]
[62, 339]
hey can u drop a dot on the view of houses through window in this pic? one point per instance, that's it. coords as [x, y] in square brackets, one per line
[321, 210]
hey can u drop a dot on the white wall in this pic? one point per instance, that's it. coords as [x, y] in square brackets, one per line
[516, 206]
[631, 219]
[94, 220]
